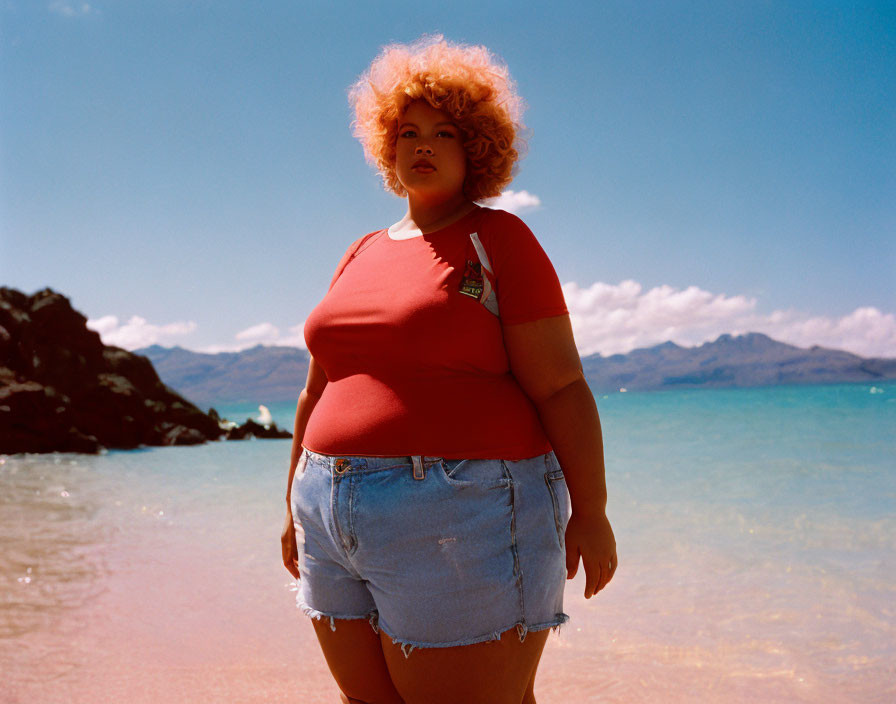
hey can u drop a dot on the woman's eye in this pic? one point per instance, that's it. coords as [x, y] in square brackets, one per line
[407, 133]
[445, 133]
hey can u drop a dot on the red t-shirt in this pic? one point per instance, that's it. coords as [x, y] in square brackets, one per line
[415, 366]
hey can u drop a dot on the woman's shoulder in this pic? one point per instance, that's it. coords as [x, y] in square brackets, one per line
[353, 250]
[503, 228]
[363, 241]
[497, 217]
[510, 243]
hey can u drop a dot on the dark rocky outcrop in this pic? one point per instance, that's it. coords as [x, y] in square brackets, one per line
[251, 429]
[62, 389]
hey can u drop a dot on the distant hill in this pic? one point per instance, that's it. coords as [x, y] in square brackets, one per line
[257, 375]
[271, 374]
[747, 360]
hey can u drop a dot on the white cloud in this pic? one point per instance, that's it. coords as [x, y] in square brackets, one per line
[296, 337]
[866, 331]
[269, 334]
[71, 9]
[261, 334]
[606, 318]
[613, 319]
[137, 332]
[515, 202]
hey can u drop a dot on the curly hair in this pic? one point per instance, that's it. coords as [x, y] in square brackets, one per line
[467, 82]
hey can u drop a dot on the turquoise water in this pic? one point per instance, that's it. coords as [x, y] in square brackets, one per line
[817, 446]
[283, 412]
[832, 445]
[756, 531]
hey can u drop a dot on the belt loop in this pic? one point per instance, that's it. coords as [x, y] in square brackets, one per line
[419, 471]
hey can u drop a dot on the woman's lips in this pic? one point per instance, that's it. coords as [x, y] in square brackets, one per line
[423, 165]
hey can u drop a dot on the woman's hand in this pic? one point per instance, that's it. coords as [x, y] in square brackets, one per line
[289, 547]
[591, 537]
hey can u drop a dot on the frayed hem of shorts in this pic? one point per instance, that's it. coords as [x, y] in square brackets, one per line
[521, 628]
[561, 620]
[372, 616]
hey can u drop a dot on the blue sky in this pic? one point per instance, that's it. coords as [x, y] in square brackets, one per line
[185, 171]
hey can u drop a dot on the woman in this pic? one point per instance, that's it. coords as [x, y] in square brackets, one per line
[429, 520]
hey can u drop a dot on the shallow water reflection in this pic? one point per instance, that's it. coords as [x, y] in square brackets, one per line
[52, 544]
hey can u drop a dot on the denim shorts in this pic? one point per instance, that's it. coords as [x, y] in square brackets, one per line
[435, 552]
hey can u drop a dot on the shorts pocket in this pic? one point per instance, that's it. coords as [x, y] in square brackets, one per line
[556, 483]
[301, 466]
[299, 489]
[485, 474]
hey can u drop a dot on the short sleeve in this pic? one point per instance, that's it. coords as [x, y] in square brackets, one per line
[348, 256]
[527, 284]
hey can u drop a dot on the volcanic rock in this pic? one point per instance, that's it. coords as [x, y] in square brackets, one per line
[63, 390]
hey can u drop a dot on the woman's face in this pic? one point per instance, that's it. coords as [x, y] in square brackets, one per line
[430, 160]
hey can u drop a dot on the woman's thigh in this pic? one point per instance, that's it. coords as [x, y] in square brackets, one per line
[492, 672]
[372, 669]
[355, 657]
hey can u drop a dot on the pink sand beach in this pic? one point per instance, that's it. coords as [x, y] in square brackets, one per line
[155, 576]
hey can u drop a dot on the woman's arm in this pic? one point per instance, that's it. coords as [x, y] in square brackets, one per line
[308, 398]
[314, 387]
[545, 362]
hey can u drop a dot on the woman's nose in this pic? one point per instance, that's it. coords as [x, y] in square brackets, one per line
[423, 150]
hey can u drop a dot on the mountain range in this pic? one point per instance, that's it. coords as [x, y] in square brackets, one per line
[272, 374]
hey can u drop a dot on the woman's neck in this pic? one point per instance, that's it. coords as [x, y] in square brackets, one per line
[428, 216]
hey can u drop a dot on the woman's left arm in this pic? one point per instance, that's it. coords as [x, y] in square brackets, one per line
[545, 362]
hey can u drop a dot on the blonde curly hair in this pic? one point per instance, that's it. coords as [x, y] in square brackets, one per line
[468, 82]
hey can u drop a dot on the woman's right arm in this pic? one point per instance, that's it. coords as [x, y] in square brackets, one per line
[314, 387]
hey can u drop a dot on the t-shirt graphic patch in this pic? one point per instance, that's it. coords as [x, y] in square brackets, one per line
[471, 283]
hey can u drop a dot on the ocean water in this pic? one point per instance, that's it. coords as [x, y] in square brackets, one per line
[755, 528]
[283, 412]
